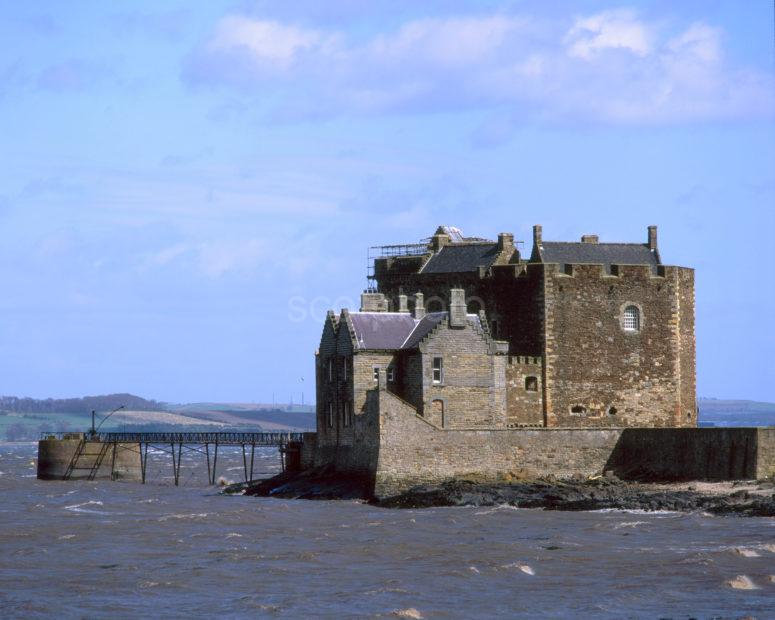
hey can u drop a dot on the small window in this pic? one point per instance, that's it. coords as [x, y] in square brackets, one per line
[330, 416]
[344, 369]
[438, 370]
[631, 319]
[347, 414]
[578, 409]
[612, 411]
[391, 374]
[376, 373]
[531, 384]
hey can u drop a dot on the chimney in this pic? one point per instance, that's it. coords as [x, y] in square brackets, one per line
[439, 240]
[403, 303]
[457, 308]
[589, 239]
[537, 230]
[505, 242]
[419, 305]
[373, 302]
[652, 238]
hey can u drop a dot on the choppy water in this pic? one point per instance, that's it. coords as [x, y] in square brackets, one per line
[111, 549]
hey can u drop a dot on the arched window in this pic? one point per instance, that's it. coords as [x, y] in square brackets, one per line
[531, 384]
[631, 319]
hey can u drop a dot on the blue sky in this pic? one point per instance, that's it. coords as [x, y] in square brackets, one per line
[185, 188]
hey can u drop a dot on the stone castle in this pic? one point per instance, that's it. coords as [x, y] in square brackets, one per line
[468, 358]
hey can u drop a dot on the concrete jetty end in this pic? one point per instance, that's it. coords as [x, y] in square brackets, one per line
[76, 457]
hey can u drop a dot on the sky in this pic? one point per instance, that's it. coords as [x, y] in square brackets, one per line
[186, 188]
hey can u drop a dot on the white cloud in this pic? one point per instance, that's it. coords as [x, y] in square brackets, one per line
[612, 66]
[606, 31]
[268, 42]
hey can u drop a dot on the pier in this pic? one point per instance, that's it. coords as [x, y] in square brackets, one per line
[89, 453]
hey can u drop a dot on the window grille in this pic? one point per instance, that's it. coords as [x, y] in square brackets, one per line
[631, 319]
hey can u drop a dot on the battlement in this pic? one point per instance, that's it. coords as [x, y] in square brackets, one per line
[525, 360]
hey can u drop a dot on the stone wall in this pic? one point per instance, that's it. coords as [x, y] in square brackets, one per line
[472, 390]
[412, 451]
[56, 455]
[524, 404]
[765, 453]
[596, 372]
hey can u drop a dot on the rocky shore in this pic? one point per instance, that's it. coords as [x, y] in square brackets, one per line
[745, 498]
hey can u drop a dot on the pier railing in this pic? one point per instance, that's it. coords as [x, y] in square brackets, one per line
[289, 443]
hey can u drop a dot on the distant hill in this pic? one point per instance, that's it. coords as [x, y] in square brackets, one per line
[715, 412]
[85, 404]
[24, 419]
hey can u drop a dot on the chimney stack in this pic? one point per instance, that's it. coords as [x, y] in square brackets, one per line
[589, 239]
[419, 305]
[439, 240]
[537, 233]
[505, 242]
[373, 302]
[457, 308]
[652, 238]
[403, 303]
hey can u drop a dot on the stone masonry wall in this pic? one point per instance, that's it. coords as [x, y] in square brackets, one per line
[412, 451]
[765, 453]
[617, 377]
[473, 390]
[524, 406]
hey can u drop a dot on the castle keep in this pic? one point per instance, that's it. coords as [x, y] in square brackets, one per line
[467, 357]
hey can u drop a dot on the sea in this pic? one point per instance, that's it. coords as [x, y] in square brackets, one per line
[104, 549]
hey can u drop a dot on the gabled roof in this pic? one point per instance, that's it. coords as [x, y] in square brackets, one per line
[396, 330]
[596, 253]
[460, 257]
[381, 330]
[423, 328]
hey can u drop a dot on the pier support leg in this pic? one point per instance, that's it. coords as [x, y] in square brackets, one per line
[209, 474]
[143, 460]
[252, 455]
[113, 461]
[215, 462]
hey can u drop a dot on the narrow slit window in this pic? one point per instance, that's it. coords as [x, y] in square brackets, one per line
[438, 370]
[330, 416]
[330, 370]
[347, 417]
[631, 319]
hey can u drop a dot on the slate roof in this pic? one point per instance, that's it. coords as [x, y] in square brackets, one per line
[423, 328]
[456, 258]
[382, 330]
[598, 253]
[395, 330]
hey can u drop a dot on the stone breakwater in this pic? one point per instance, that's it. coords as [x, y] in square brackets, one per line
[741, 498]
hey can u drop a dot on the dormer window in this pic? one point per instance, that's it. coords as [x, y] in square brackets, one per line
[631, 320]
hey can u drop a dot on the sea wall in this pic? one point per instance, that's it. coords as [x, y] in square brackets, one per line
[412, 451]
[55, 457]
